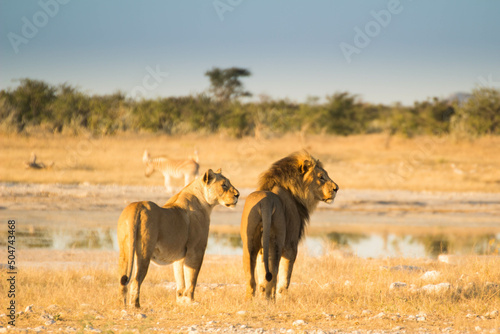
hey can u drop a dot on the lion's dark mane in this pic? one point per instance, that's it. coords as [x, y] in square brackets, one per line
[287, 175]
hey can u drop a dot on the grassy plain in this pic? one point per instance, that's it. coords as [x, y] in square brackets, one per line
[77, 291]
[361, 162]
[328, 293]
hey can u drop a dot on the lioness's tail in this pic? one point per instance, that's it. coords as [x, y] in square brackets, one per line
[266, 212]
[124, 280]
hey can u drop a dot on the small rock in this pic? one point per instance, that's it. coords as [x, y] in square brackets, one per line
[92, 329]
[39, 329]
[366, 312]
[381, 315]
[406, 268]
[243, 326]
[436, 288]
[349, 316]
[492, 314]
[141, 316]
[87, 278]
[448, 329]
[421, 318]
[49, 322]
[398, 328]
[397, 285]
[445, 258]
[53, 307]
[299, 323]
[471, 316]
[241, 312]
[28, 309]
[430, 275]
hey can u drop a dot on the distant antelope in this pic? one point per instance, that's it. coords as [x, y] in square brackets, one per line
[176, 168]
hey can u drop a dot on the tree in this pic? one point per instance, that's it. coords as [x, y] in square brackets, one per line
[225, 84]
[480, 115]
[31, 101]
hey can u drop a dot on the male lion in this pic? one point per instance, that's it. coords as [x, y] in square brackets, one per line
[274, 218]
[175, 233]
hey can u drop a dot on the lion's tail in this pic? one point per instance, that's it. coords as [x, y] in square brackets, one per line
[267, 213]
[124, 280]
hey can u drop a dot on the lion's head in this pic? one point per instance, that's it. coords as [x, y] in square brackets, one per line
[303, 176]
[218, 189]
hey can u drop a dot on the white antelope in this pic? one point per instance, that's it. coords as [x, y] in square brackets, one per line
[176, 168]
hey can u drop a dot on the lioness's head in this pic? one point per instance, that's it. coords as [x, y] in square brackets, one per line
[218, 189]
[321, 186]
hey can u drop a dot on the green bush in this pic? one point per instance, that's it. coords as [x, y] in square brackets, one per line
[64, 108]
[480, 114]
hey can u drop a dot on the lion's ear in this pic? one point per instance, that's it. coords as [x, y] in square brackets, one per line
[219, 171]
[306, 166]
[208, 176]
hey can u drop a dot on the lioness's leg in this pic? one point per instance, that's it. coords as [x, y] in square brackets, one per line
[179, 279]
[192, 265]
[123, 272]
[138, 278]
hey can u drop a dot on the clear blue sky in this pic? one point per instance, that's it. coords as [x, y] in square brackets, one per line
[293, 48]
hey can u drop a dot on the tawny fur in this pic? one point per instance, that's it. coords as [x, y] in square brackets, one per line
[175, 233]
[274, 219]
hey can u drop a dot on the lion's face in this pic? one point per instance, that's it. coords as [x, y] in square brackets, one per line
[323, 188]
[218, 189]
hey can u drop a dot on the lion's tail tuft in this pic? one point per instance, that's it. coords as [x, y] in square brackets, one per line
[269, 276]
[124, 280]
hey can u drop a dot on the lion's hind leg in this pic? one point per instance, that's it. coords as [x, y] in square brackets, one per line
[249, 264]
[268, 288]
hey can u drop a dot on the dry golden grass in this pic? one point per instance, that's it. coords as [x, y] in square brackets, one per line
[363, 162]
[86, 294]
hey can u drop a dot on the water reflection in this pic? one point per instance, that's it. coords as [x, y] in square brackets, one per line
[366, 245]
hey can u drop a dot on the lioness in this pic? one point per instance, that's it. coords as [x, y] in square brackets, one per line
[175, 233]
[274, 218]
